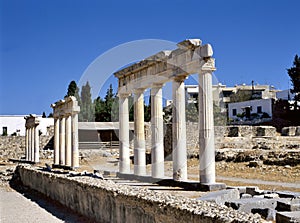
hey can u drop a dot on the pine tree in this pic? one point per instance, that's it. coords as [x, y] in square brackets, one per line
[294, 73]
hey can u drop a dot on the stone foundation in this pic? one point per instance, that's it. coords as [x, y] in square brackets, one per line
[105, 201]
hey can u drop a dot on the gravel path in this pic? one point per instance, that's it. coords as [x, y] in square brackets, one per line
[33, 208]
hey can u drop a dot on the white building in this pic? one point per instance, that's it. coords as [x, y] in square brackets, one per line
[15, 124]
[248, 108]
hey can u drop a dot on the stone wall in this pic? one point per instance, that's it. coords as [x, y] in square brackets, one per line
[13, 147]
[105, 201]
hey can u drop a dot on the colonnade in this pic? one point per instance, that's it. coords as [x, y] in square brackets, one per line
[32, 139]
[191, 57]
[65, 113]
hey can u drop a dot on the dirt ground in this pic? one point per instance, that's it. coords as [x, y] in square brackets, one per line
[235, 174]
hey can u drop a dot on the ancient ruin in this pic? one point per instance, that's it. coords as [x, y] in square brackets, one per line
[65, 113]
[32, 139]
[190, 57]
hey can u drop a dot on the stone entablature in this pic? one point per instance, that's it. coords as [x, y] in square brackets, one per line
[65, 113]
[32, 138]
[153, 72]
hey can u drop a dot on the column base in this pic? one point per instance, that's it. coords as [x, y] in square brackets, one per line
[186, 185]
[211, 186]
[59, 166]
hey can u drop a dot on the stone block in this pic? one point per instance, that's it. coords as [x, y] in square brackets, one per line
[271, 196]
[288, 131]
[264, 131]
[288, 205]
[220, 197]
[255, 163]
[266, 213]
[284, 217]
[288, 194]
[246, 205]
[297, 133]
[233, 131]
[246, 196]
[254, 191]
[241, 189]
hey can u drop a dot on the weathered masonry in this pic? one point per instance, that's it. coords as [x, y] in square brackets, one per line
[189, 58]
[32, 139]
[65, 113]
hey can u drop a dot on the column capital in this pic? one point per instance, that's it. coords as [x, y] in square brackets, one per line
[123, 95]
[158, 85]
[139, 90]
[180, 78]
[208, 66]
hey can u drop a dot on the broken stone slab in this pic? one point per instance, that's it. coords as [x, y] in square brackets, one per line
[284, 217]
[253, 190]
[288, 205]
[288, 194]
[246, 196]
[222, 196]
[266, 213]
[271, 196]
[288, 131]
[246, 205]
[241, 189]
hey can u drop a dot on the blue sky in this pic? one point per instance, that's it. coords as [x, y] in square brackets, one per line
[44, 44]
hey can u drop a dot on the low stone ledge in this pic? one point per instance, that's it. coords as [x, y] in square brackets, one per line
[106, 201]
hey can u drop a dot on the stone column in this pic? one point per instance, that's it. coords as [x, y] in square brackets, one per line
[62, 144]
[29, 144]
[32, 129]
[56, 141]
[124, 157]
[179, 131]
[75, 150]
[68, 146]
[139, 133]
[157, 150]
[206, 129]
[36, 145]
[26, 144]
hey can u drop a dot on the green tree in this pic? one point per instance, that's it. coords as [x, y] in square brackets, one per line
[73, 90]
[44, 115]
[86, 108]
[100, 113]
[294, 73]
[241, 96]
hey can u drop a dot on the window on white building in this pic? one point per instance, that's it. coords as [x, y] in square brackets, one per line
[234, 112]
[259, 109]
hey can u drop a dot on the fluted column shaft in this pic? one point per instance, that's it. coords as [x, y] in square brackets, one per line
[68, 151]
[75, 149]
[179, 131]
[27, 144]
[139, 133]
[124, 159]
[36, 145]
[56, 141]
[32, 129]
[62, 135]
[157, 150]
[206, 129]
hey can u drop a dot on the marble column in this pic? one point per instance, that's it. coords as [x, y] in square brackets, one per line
[62, 144]
[68, 145]
[56, 141]
[139, 134]
[27, 144]
[206, 129]
[157, 150]
[75, 149]
[124, 157]
[32, 143]
[179, 130]
[36, 145]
